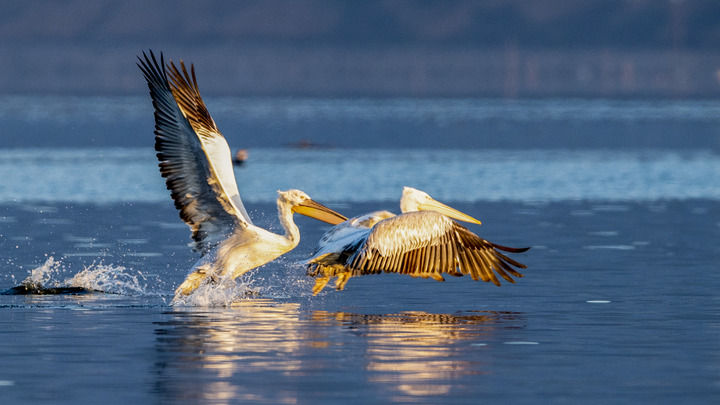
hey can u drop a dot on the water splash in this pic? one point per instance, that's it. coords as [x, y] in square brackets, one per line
[283, 278]
[111, 279]
[286, 279]
[220, 294]
[43, 276]
[107, 278]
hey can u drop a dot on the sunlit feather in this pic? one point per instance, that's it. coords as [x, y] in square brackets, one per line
[422, 242]
[195, 160]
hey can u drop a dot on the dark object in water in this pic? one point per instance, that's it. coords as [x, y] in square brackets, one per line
[307, 144]
[240, 157]
[31, 289]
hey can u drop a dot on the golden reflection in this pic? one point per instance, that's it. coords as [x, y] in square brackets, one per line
[273, 352]
[417, 353]
[210, 349]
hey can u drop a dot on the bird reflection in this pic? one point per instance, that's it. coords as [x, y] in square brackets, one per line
[202, 354]
[416, 353]
[267, 351]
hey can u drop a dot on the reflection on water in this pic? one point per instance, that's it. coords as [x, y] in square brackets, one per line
[200, 353]
[236, 354]
[413, 352]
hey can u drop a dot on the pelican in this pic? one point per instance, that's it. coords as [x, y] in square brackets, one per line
[194, 159]
[423, 241]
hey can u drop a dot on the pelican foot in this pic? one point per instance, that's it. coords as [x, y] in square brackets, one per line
[342, 279]
[320, 283]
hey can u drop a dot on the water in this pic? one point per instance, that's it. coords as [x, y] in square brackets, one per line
[619, 302]
[108, 175]
[56, 121]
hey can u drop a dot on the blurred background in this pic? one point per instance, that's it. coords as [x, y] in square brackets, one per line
[321, 73]
[452, 48]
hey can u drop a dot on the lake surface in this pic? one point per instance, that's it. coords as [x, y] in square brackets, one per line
[619, 303]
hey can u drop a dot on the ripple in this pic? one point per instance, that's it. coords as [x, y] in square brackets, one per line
[603, 233]
[84, 245]
[611, 208]
[521, 342]
[598, 301]
[54, 221]
[39, 209]
[144, 254]
[138, 241]
[87, 254]
[79, 239]
[612, 247]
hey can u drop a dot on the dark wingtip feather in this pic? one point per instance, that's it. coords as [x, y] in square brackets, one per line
[509, 249]
[509, 260]
[154, 73]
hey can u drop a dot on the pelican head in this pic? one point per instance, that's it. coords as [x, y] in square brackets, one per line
[301, 203]
[416, 200]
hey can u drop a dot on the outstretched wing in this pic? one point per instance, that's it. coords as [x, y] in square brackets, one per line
[427, 244]
[194, 157]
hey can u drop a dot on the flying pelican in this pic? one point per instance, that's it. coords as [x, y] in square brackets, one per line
[196, 164]
[423, 241]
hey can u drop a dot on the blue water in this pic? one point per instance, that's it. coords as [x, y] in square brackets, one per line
[61, 122]
[105, 175]
[618, 199]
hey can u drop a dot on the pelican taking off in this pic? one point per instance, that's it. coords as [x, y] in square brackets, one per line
[196, 164]
[423, 241]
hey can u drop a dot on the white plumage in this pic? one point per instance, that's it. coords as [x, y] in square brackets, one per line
[195, 160]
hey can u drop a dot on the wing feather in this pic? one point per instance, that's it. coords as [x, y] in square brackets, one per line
[187, 94]
[477, 265]
[183, 163]
[429, 244]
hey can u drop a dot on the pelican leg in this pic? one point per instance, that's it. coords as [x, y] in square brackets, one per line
[320, 283]
[342, 279]
[437, 277]
[194, 279]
